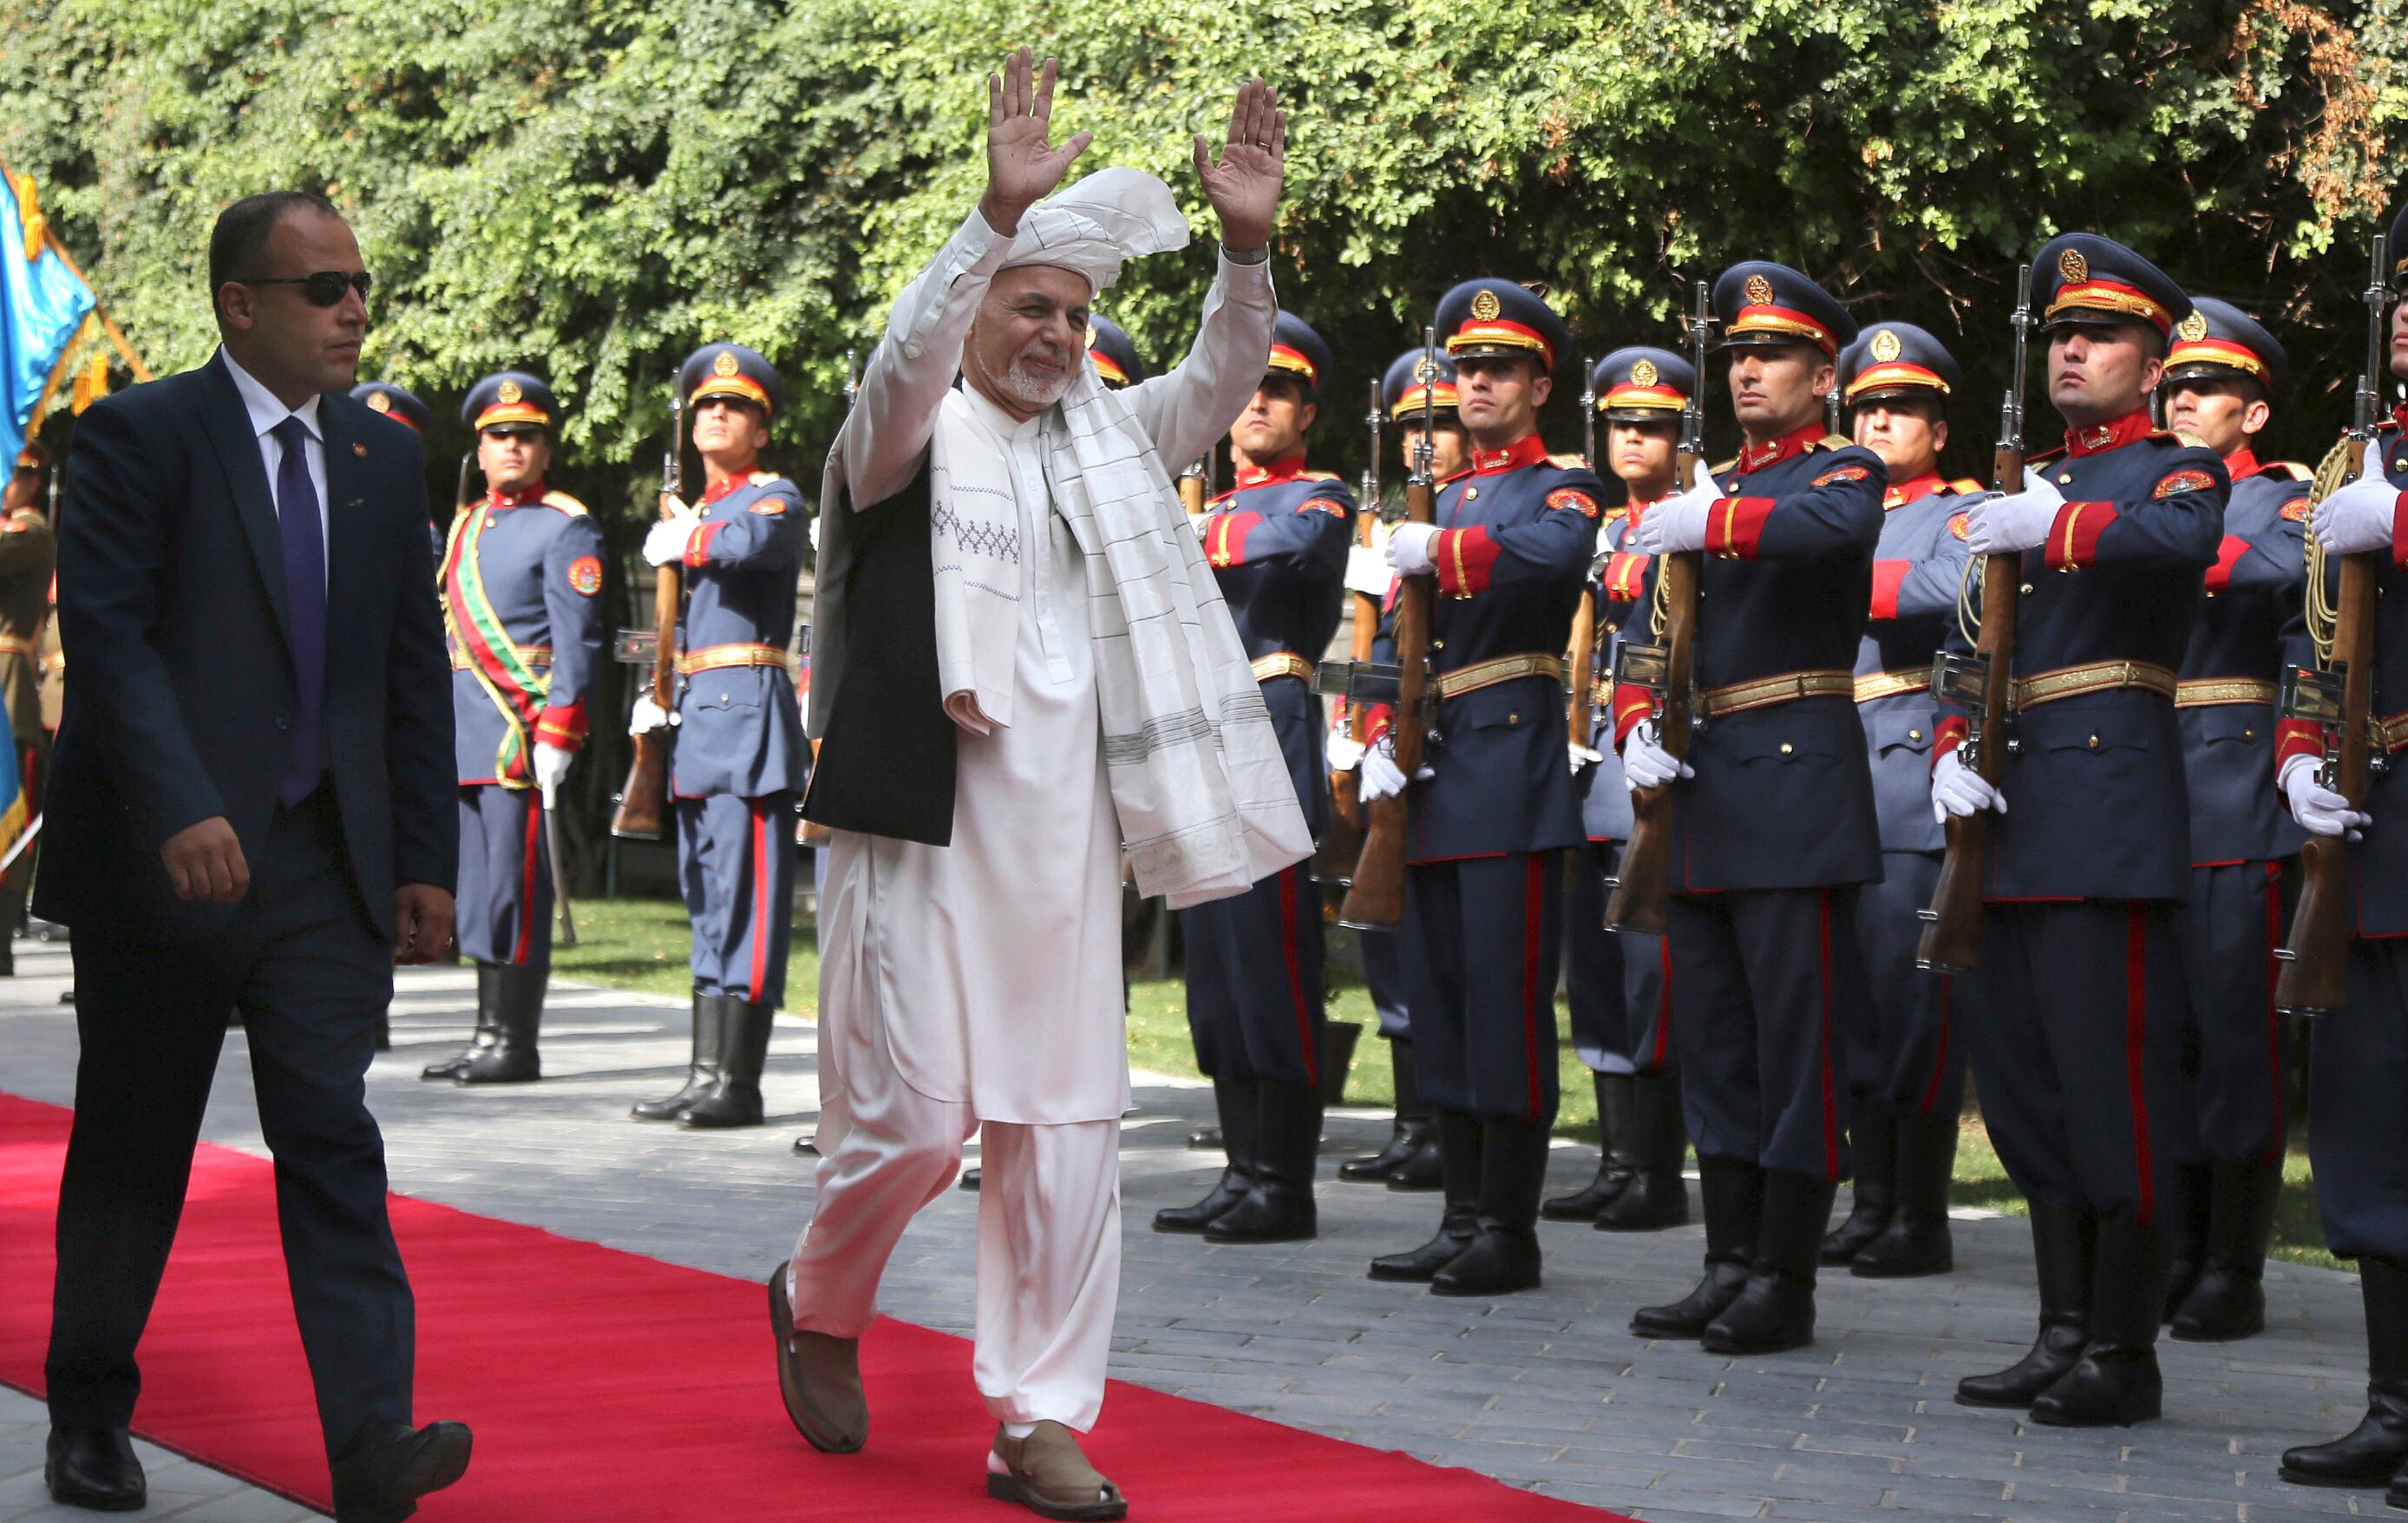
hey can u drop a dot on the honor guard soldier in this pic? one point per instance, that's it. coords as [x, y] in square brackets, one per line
[1905, 1069]
[2076, 1009]
[1277, 543]
[521, 581]
[1409, 1162]
[1773, 826]
[1486, 829]
[2221, 377]
[739, 759]
[1615, 978]
[29, 558]
[2358, 1063]
[1113, 353]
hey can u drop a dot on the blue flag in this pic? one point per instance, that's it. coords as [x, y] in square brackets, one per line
[42, 304]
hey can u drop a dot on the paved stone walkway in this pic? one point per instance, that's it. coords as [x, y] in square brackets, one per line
[1546, 1390]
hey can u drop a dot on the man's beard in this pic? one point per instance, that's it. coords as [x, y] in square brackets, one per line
[1032, 388]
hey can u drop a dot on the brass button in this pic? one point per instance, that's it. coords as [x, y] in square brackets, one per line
[2094, 742]
[1438, 645]
[2027, 589]
[489, 521]
[1512, 719]
[2065, 481]
[1469, 492]
[1786, 748]
[723, 697]
[1915, 735]
[2249, 734]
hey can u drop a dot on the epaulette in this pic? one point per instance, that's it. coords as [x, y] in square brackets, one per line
[1620, 509]
[2182, 436]
[765, 478]
[1567, 462]
[1831, 441]
[2032, 460]
[2289, 470]
[1965, 486]
[1317, 475]
[566, 503]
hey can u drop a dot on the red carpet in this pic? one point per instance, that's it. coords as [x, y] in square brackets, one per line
[603, 1385]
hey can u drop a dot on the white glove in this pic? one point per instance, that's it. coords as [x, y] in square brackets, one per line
[2319, 810]
[551, 765]
[648, 717]
[815, 532]
[1346, 753]
[1409, 549]
[1958, 789]
[2016, 521]
[2356, 517]
[1583, 756]
[1645, 763]
[1382, 777]
[1678, 523]
[666, 541]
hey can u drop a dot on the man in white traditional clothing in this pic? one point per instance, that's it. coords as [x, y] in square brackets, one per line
[1023, 671]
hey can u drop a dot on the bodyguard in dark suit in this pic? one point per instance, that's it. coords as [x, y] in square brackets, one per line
[253, 811]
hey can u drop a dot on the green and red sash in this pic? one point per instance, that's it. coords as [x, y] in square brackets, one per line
[517, 689]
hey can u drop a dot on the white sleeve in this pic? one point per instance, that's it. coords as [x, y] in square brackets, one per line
[1187, 409]
[914, 364]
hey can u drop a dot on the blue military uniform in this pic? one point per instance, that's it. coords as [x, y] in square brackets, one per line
[521, 580]
[2076, 1009]
[1277, 543]
[1770, 841]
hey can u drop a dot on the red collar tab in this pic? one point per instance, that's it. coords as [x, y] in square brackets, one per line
[494, 498]
[1913, 491]
[2400, 417]
[1771, 451]
[724, 486]
[2109, 435]
[1527, 450]
[2242, 463]
[1278, 471]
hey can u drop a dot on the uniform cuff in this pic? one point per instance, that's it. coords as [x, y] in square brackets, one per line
[2227, 555]
[1224, 537]
[1464, 558]
[562, 726]
[1377, 720]
[2296, 738]
[1631, 704]
[1948, 735]
[1888, 576]
[2073, 538]
[1625, 576]
[1735, 526]
[697, 545]
[2399, 532]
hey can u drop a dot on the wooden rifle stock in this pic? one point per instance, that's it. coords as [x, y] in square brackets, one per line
[1643, 890]
[1376, 896]
[1952, 932]
[644, 799]
[2313, 979]
[1580, 669]
[1342, 844]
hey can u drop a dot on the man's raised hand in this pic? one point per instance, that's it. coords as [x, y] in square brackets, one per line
[1244, 184]
[1023, 166]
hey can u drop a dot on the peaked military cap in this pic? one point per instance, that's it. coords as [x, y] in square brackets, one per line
[1501, 320]
[732, 370]
[2398, 250]
[1898, 359]
[2220, 341]
[395, 403]
[1759, 302]
[1643, 384]
[1297, 352]
[510, 396]
[2083, 279]
[1401, 388]
[1115, 354]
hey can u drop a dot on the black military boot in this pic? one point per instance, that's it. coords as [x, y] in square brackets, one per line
[702, 1066]
[1503, 1256]
[1656, 1196]
[1917, 1240]
[2229, 1299]
[2370, 1454]
[1413, 1124]
[1873, 1141]
[518, 1014]
[1239, 1103]
[1278, 1205]
[1458, 1144]
[2062, 1241]
[485, 1035]
[1424, 1171]
[734, 1101]
[1775, 1311]
[1617, 1160]
[1733, 1192]
[2115, 1383]
[2194, 1200]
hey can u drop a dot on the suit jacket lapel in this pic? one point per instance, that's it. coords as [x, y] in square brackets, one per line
[227, 422]
[347, 526]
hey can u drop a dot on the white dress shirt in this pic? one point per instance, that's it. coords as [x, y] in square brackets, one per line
[266, 413]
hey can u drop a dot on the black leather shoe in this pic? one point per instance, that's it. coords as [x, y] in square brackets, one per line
[1235, 1102]
[2115, 1383]
[1872, 1141]
[702, 1064]
[96, 1469]
[381, 1474]
[2373, 1452]
[1656, 1196]
[1617, 1160]
[1278, 1206]
[2063, 1242]
[1917, 1240]
[1497, 1261]
[1775, 1311]
[1733, 1193]
[971, 1179]
[2227, 1300]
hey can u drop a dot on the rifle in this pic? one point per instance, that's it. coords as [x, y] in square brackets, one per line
[811, 832]
[1981, 684]
[1342, 846]
[1643, 890]
[644, 799]
[2339, 699]
[1376, 898]
[1580, 657]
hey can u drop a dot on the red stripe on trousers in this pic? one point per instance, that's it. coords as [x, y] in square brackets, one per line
[1531, 949]
[2136, 1032]
[1830, 1110]
[1663, 1001]
[526, 883]
[760, 808]
[1296, 975]
[2274, 1018]
[1939, 1063]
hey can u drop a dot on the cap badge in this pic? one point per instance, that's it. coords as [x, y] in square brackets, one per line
[1886, 346]
[1643, 373]
[723, 365]
[1485, 306]
[379, 402]
[506, 393]
[2192, 328]
[1759, 290]
[2072, 265]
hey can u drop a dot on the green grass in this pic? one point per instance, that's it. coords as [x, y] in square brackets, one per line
[641, 944]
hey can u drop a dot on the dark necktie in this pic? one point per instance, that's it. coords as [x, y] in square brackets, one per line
[305, 595]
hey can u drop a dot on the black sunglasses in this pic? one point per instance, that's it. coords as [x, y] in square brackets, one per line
[323, 289]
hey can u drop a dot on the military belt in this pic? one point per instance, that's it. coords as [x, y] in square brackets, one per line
[1504, 669]
[1890, 685]
[2390, 732]
[1764, 692]
[2098, 677]
[716, 657]
[529, 656]
[1282, 664]
[2207, 691]
[18, 646]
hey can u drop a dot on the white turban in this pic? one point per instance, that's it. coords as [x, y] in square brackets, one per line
[1110, 216]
